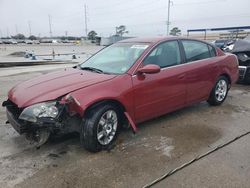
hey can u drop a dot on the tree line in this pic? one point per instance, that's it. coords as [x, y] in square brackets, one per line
[119, 31]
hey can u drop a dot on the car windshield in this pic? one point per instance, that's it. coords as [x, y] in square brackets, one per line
[115, 59]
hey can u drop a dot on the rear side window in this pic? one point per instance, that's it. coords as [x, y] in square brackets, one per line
[195, 50]
[212, 51]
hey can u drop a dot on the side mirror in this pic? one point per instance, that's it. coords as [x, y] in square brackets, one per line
[149, 69]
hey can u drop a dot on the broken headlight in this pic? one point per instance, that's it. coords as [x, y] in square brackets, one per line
[41, 110]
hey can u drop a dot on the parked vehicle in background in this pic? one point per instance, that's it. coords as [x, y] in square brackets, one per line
[1, 42]
[46, 41]
[36, 42]
[241, 48]
[220, 43]
[6, 41]
[130, 81]
[20, 41]
[9, 41]
[65, 41]
[28, 41]
[12, 41]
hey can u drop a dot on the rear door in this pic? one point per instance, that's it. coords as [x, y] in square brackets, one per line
[159, 93]
[201, 67]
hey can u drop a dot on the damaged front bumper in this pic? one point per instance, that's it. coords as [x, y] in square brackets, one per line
[40, 130]
[22, 126]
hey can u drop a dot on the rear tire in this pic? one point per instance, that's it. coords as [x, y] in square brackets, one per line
[219, 91]
[100, 128]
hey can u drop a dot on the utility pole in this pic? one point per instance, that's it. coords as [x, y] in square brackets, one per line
[50, 30]
[29, 23]
[1, 34]
[168, 21]
[7, 32]
[86, 24]
[16, 29]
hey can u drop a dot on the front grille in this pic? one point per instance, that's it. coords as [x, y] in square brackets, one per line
[13, 108]
[13, 113]
[247, 74]
[242, 72]
[248, 70]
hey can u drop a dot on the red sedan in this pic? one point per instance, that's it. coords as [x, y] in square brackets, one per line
[128, 82]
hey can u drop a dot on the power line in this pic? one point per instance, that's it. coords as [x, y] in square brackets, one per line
[124, 16]
[125, 7]
[234, 16]
[135, 25]
[116, 12]
[200, 2]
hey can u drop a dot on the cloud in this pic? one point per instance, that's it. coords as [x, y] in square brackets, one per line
[142, 17]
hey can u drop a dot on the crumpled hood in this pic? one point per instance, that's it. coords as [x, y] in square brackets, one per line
[53, 85]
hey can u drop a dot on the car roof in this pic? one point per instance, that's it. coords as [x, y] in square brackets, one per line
[149, 39]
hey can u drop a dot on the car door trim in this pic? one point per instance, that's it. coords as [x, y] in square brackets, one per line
[188, 63]
[182, 54]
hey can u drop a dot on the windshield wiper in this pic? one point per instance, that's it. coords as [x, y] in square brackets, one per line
[92, 69]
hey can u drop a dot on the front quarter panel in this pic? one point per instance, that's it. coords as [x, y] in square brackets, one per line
[118, 89]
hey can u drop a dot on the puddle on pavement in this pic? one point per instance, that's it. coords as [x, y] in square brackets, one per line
[159, 142]
[172, 135]
[23, 160]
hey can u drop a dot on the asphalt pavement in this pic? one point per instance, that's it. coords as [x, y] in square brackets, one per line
[162, 144]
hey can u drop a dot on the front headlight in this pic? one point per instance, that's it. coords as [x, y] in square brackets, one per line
[46, 109]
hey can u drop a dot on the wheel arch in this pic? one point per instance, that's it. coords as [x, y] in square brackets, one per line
[124, 114]
[225, 75]
[115, 102]
[228, 78]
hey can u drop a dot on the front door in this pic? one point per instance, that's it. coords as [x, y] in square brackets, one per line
[159, 93]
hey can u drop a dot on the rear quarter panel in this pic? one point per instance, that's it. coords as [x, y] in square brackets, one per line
[228, 64]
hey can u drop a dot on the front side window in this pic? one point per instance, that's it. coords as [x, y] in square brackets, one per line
[195, 50]
[115, 59]
[165, 55]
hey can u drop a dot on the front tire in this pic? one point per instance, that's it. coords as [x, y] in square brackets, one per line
[100, 128]
[219, 91]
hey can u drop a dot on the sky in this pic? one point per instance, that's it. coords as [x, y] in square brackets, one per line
[141, 17]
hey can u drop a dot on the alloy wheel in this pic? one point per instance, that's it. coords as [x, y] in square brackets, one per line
[107, 127]
[221, 90]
